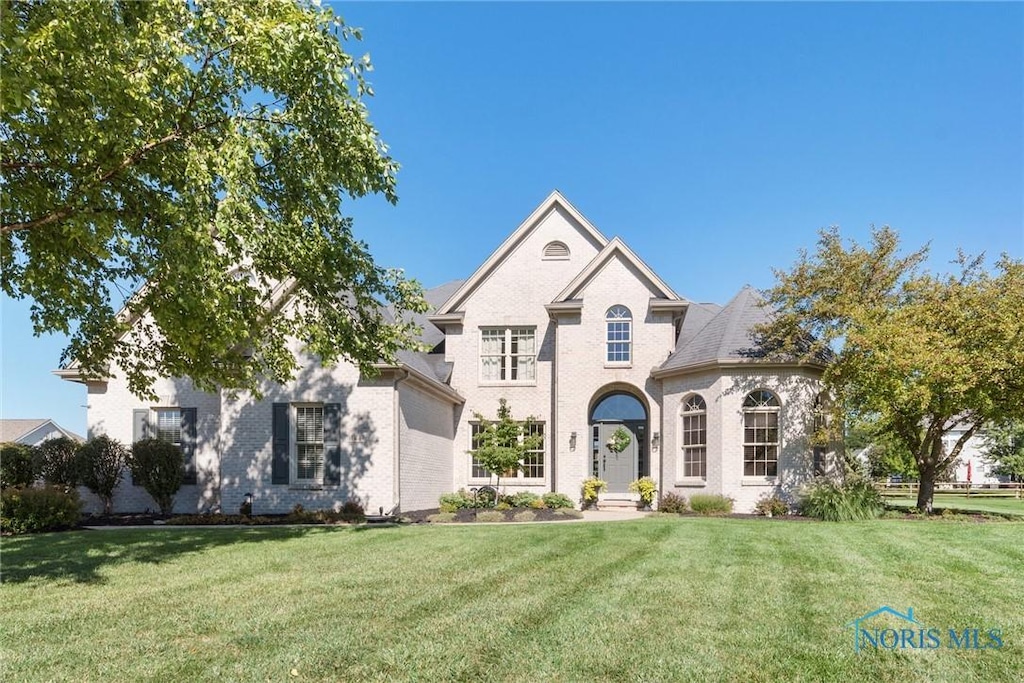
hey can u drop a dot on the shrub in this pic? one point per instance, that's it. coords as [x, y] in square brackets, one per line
[672, 503]
[101, 464]
[524, 516]
[441, 518]
[647, 489]
[58, 462]
[538, 504]
[503, 505]
[557, 501]
[16, 465]
[353, 508]
[856, 498]
[771, 506]
[523, 499]
[590, 488]
[28, 510]
[490, 516]
[460, 500]
[571, 513]
[710, 504]
[158, 467]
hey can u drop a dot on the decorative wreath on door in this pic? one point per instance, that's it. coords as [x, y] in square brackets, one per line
[619, 440]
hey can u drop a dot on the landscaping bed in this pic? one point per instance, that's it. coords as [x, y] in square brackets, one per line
[467, 515]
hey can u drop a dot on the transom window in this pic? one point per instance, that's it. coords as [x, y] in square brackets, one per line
[761, 434]
[620, 334]
[168, 425]
[309, 443]
[695, 437]
[508, 354]
[533, 463]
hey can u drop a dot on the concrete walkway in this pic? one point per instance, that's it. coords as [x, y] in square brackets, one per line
[614, 515]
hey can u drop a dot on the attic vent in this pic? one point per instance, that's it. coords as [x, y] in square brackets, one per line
[556, 251]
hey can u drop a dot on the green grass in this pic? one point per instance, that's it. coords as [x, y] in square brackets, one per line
[684, 599]
[959, 501]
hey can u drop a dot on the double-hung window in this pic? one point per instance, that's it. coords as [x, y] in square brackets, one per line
[761, 434]
[309, 444]
[532, 464]
[619, 339]
[695, 437]
[508, 354]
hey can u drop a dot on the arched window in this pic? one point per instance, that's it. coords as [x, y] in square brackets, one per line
[695, 437]
[620, 335]
[556, 251]
[761, 434]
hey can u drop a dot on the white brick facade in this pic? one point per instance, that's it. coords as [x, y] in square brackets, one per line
[406, 435]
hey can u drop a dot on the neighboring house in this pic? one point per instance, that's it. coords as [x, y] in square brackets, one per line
[972, 456]
[33, 432]
[571, 327]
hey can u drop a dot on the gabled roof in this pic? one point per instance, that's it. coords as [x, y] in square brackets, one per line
[716, 336]
[554, 201]
[615, 248]
[13, 430]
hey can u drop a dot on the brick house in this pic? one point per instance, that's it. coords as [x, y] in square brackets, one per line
[572, 328]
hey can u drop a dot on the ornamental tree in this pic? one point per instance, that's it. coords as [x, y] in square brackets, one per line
[501, 445]
[187, 161]
[102, 461]
[920, 352]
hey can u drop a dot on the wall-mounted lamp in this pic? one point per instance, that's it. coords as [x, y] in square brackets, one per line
[655, 440]
[572, 441]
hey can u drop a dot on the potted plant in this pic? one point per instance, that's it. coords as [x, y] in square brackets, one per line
[592, 486]
[647, 489]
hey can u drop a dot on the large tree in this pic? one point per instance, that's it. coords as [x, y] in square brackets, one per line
[187, 161]
[920, 352]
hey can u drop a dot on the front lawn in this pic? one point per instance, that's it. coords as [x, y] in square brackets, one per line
[655, 599]
[977, 502]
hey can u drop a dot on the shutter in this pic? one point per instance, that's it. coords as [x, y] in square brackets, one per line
[188, 444]
[140, 429]
[281, 443]
[332, 444]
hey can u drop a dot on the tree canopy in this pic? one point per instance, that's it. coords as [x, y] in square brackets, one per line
[920, 352]
[501, 445]
[188, 161]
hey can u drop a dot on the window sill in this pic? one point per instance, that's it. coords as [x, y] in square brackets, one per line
[618, 366]
[507, 481]
[306, 487]
[530, 383]
[758, 481]
[692, 482]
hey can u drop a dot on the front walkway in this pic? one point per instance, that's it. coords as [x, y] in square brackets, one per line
[613, 515]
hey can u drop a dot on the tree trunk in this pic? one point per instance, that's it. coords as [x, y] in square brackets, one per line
[926, 490]
[108, 506]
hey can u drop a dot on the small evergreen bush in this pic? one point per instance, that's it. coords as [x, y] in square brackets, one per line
[771, 506]
[490, 516]
[17, 467]
[441, 518]
[29, 510]
[353, 508]
[710, 504]
[158, 467]
[538, 504]
[57, 462]
[523, 499]
[856, 498]
[557, 501]
[672, 503]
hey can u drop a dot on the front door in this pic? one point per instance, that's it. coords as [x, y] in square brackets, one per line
[618, 469]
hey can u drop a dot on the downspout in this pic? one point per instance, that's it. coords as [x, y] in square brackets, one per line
[396, 492]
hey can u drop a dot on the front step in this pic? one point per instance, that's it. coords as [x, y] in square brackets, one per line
[618, 501]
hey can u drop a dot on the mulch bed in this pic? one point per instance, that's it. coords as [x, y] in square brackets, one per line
[545, 515]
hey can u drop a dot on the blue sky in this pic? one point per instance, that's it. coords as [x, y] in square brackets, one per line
[715, 139]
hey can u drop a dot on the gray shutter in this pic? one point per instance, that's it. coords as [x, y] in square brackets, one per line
[188, 444]
[280, 443]
[332, 444]
[140, 429]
